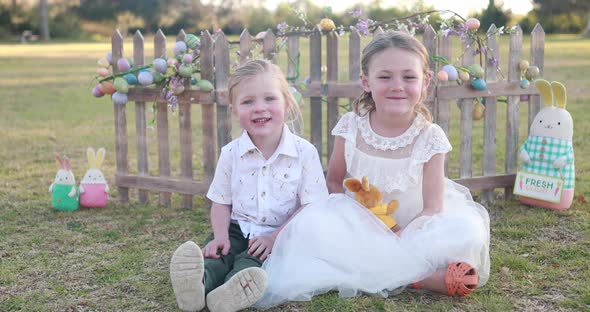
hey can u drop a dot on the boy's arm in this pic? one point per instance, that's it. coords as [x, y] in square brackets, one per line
[336, 167]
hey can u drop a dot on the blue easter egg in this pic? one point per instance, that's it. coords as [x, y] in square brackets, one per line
[160, 65]
[131, 79]
[479, 84]
[451, 71]
[145, 78]
[524, 83]
[119, 98]
[179, 48]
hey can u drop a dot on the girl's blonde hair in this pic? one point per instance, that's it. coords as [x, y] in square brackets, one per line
[294, 119]
[381, 42]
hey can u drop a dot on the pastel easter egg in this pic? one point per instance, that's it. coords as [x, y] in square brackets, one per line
[260, 36]
[451, 71]
[523, 65]
[123, 64]
[119, 98]
[121, 85]
[479, 84]
[205, 85]
[191, 41]
[96, 92]
[187, 58]
[103, 63]
[109, 57]
[524, 97]
[145, 78]
[464, 76]
[103, 72]
[442, 76]
[185, 70]
[160, 65]
[532, 73]
[472, 23]
[131, 79]
[478, 110]
[524, 83]
[476, 70]
[327, 24]
[172, 62]
[107, 87]
[178, 90]
[131, 63]
[179, 48]
[194, 81]
[158, 76]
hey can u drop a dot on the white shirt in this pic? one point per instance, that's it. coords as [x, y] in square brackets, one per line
[264, 193]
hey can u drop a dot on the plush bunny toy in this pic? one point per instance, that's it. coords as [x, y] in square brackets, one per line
[93, 187]
[549, 151]
[64, 195]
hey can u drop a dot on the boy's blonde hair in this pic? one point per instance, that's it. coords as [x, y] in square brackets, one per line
[251, 68]
[381, 42]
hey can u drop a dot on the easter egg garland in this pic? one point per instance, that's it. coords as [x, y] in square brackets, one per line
[170, 74]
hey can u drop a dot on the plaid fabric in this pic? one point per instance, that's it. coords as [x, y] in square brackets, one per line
[543, 151]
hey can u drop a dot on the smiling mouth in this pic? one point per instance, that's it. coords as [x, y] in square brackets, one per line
[260, 120]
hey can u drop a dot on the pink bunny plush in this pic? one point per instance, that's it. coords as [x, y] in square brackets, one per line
[64, 195]
[93, 187]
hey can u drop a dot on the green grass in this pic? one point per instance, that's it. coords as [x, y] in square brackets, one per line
[117, 258]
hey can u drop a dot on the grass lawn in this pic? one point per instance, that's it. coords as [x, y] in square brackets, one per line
[117, 258]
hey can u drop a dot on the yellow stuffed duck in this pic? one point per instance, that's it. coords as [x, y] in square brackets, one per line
[370, 196]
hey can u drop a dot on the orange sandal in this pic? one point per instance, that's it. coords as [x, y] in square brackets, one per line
[461, 279]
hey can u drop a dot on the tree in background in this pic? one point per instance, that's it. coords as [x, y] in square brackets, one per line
[574, 8]
[493, 15]
[44, 19]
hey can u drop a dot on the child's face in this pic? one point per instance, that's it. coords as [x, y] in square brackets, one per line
[260, 107]
[396, 80]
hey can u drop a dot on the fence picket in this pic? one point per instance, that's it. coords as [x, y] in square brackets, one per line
[315, 69]
[208, 111]
[466, 127]
[165, 198]
[120, 121]
[537, 59]
[513, 108]
[332, 76]
[140, 120]
[354, 60]
[245, 46]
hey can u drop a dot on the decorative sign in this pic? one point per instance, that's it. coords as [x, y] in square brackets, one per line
[538, 186]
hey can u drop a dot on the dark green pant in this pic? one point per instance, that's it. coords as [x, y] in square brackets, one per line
[218, 271]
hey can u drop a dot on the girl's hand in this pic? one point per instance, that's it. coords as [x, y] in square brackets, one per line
[210, 250]
[261, 246]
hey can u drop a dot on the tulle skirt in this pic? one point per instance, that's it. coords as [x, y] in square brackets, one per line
[339, 245]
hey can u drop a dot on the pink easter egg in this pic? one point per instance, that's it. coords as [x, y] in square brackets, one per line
[123, 64]
[187, 58]
[472, 23]
[103, 72]
[442, 76]
[96, 92]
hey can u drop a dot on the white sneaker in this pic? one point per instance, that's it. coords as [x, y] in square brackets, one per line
[186, 273]
[239, 292]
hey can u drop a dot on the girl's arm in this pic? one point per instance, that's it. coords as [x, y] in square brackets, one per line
[433, 185]
[336, 167]
[220, 218]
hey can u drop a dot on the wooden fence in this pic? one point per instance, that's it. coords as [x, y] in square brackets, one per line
[216, 124]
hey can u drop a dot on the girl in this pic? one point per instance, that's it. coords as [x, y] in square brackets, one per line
[339, 245]
[261, 180]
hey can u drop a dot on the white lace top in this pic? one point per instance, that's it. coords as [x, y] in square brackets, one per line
[393, 164]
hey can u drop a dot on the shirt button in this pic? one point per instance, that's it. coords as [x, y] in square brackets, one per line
[542, 148]
[544, 141]
[541, 156]
[263, 194]
[263, 170]
[263, 219]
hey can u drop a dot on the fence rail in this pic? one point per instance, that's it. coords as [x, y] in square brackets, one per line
[216, 122]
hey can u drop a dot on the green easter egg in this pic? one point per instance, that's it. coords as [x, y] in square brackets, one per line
[121, 85]
[532, 73]
[191, 41]
[476, 70]
[185, 70]
[193, 81]
[205, 85]
[158, 76]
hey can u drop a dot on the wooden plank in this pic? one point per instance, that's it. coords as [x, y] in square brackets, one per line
[186, 141]
[512, 113]
[315, 69]
[490, 116]
[269, 43]
[429, 41]
[354, 64]
[162, 184]
[499, 88]
[443, 106]
[208, 111]
[120, 121]
[537, 59]
[481, 183]
[165, 198]
[140, 121]
[221, 83]
[293, 70]
[466, 127]
[332, 76]
[151, 94]
[245, 47]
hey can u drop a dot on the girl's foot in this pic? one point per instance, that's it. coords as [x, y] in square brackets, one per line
[239, 292]
[186, 275]
[459, 278]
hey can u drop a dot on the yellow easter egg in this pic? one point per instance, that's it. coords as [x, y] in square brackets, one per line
[478, 110]
[327, 24]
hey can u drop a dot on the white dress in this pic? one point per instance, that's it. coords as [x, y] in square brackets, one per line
[337, 244]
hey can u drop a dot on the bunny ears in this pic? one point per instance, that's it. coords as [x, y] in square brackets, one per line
[355, 185]
[63, 163]
[552, 92]
[95, 160]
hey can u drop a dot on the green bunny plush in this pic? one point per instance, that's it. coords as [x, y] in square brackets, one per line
[64, 194]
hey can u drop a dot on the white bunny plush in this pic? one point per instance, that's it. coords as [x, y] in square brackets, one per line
[64, 195]
[549, 151]
[94, 190]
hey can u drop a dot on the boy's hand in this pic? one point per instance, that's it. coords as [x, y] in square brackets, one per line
[210, 250]
[261, 246]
